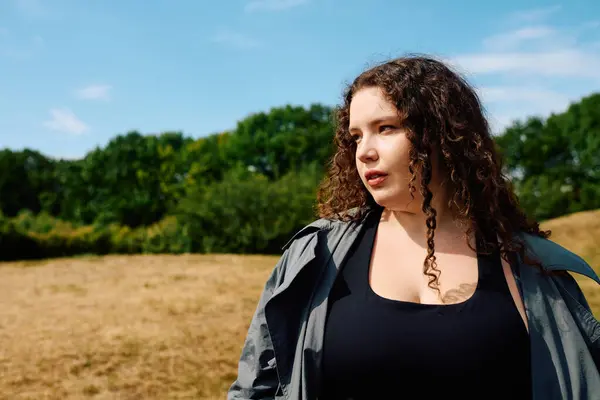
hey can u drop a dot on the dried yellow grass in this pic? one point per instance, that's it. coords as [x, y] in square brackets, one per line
[580, 233]
[138, 327]
[153, 327]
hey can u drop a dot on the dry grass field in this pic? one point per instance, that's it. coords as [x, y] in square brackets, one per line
[139, 327]
[152, 327]
[580, 233]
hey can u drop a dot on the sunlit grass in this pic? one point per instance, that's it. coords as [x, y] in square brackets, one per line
[139, 327]
[153, 327]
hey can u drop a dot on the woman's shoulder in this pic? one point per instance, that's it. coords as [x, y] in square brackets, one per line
[351, 217]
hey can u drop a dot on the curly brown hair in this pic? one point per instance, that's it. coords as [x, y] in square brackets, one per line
[444, 118]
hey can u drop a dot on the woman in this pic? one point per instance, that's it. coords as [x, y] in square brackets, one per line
[423, 278]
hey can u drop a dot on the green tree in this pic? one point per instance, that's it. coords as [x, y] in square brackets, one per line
[283, 139]
[248, 213]
[556, 163]
[133, 181]
[26, 182]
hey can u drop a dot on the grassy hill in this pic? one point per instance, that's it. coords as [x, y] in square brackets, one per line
[580, 233]
[153, 327]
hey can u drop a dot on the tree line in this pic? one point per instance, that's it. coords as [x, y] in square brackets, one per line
[246, 190]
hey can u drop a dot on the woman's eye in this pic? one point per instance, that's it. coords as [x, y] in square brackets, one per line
[384, 128]
[355, 137]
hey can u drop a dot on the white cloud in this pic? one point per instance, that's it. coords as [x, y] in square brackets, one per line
[537, 50]
[534, 15]
[94, 92]
[273, 5]
[236, 39]
[534, 69]
[499, 122]
[493, 94]
[568, 63]
[517, 102]
[64, 120]
[510, 40]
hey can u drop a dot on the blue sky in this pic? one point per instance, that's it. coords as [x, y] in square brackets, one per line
[73, 74]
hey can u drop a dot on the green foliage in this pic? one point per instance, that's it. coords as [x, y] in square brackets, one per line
[555, 164]
[133, 181]
[25, 182]
[42, 236]
[15, 245]
[248, 213]
[284, 139]
[246, 190]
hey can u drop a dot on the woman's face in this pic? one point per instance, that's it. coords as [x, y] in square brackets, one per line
[382, 152]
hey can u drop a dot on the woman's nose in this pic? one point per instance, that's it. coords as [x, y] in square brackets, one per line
[366, 152]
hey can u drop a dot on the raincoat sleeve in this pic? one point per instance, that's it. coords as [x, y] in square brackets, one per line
[257, 375]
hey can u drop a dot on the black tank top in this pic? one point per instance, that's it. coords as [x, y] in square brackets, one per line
[378, 348]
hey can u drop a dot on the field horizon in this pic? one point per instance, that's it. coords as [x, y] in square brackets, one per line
[155, 326]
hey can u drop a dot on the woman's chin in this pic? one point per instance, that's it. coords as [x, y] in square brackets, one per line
[391, 199]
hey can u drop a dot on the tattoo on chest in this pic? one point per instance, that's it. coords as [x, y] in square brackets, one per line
[456, 295]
